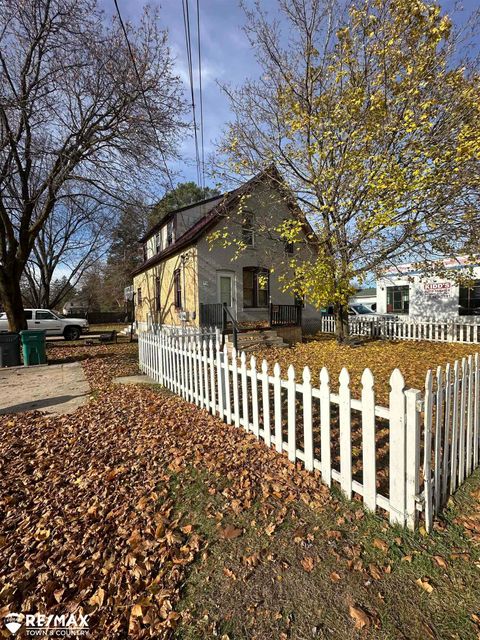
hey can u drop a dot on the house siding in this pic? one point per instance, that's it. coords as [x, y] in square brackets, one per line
[146, 312]
[267, 253]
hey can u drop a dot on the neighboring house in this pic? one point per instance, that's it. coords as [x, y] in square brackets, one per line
[367, 296]
[405, 291]
[185, 278]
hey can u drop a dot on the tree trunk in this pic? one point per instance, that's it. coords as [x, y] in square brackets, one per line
[11, 297]
[342, 331]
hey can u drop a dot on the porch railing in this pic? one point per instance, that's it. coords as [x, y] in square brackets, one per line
[284, 315]
[211, 315]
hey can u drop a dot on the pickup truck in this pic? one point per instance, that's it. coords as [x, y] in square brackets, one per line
[51, 323]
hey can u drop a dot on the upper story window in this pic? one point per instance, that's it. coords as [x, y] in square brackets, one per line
[170, 233]
[158, 242]
[469, 300]
[248, 233]
[398, 299]
[139, 296]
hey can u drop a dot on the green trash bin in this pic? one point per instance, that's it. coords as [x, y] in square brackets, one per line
[33, 346]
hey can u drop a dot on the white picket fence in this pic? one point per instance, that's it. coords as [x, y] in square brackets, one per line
[407, 329]
[405, 458]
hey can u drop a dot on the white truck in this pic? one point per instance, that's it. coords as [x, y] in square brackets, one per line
[51, 323]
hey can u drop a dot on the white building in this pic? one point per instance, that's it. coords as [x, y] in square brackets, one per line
[405, 291]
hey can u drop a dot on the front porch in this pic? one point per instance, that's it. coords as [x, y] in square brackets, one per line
[281, 325]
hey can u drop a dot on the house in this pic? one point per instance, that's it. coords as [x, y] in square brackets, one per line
[186, 278]
[367, 297]
[406, 291]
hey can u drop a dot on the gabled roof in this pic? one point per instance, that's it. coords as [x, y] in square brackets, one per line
[212, 217]
[170, 214]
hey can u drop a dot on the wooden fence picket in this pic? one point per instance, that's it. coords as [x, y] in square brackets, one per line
[243, 375]
[397, 454]
[291, 412]
[307, 419]
[454, 448]
[267, 436]
[254, 385]
[427, 448]
[345, 416]
[412, 448]
[438, 440]
[368, 441]
[325, 435]
[476, 412]
[277, 400]
[226, 382]
[469, 434]
[462, 424]
[236, 406]
[446, 434]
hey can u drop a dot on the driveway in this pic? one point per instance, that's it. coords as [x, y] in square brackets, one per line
[57, 388]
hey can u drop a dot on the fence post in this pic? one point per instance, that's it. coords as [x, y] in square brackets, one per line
[413, 397]
[267, 434]
[397, 448]
[277, 393]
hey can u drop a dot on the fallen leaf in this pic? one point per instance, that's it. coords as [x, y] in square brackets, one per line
[426, 586]
[359, 616]
[380, 544]
[307, 563]
[440, 561]
[230, 532]
[335, 577]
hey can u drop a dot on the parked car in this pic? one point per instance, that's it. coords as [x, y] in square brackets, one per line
[51, 322]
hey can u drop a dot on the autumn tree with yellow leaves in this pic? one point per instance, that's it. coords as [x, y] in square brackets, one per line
[371, 115]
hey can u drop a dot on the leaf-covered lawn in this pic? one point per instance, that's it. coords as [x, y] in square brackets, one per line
[157, 520]
[382, 357]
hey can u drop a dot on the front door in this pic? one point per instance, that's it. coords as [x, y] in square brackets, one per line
[226, 290]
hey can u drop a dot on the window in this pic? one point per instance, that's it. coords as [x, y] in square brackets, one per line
[28, 314]
[248, 233]
[157, 294]
[170, 233]
[398, 299]
[139, 296]
[158, 242]
[469, 300]
[177, 288]
[256, 284]
[44, 315]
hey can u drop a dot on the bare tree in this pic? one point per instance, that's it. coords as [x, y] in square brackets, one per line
[73, 239]
[73, 112]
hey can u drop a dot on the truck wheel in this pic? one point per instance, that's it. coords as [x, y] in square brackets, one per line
[71, 333]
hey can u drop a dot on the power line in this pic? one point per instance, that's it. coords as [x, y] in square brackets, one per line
[200, 92]
[147, 106]
[188, 45]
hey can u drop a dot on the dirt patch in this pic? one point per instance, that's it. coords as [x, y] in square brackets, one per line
[58, 388]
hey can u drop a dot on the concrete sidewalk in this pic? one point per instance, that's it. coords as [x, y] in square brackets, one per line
[56, 388]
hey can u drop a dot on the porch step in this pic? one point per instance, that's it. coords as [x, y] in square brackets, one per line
[252, 340]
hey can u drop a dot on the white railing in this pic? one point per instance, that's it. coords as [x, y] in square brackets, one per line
[457, 330]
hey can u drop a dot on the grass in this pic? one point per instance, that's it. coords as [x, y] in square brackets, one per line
[257, 586]
[382, 357]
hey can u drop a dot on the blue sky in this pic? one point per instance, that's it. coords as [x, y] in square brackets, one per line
[226, 57]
